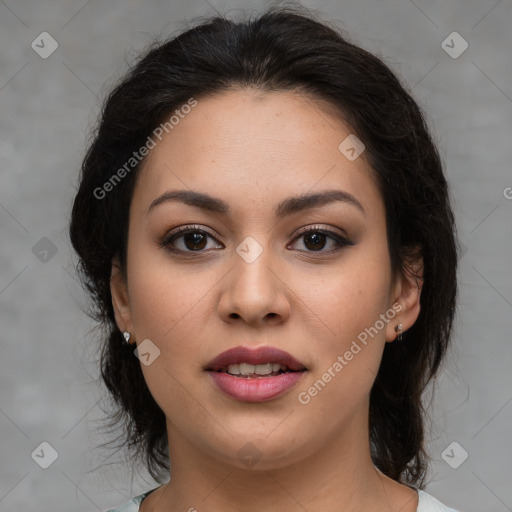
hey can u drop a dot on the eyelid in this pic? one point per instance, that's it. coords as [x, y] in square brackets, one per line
[304, 229]
[340, 239]
[166, 240]
[322, 228]
[192, 227]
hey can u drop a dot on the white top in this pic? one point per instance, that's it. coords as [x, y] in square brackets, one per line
[426, 503]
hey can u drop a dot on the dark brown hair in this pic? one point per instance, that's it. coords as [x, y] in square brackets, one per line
[285, 48]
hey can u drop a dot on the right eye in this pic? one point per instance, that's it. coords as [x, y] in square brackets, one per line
[193, 239]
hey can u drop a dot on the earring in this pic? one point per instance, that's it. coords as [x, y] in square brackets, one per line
[126, 336]
[398, 329]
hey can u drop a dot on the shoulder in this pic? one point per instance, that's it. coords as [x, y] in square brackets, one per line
[133, 505]
[427, 503]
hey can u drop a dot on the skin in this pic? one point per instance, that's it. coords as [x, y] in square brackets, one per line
[253, 150]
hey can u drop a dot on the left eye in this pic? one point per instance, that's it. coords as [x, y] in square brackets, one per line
[195, 240]
[315, 239]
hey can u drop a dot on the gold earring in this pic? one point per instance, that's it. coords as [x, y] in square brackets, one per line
[398, 329]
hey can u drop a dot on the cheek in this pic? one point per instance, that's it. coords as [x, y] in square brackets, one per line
[171, 304]
[166, 305]
[165, 298]
[347, 299]
[347, 309]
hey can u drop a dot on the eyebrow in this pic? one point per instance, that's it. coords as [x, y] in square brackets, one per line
[289, 206]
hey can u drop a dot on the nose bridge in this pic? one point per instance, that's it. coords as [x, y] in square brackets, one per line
[254, 290]
[252, 274]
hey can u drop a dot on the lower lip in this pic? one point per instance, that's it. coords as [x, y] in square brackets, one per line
[257, 389]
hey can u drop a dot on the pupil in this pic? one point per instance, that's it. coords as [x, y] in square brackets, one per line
[314, 241]
[317, 239]
[194, 239]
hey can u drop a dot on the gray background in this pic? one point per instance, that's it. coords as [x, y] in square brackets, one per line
[48, 371]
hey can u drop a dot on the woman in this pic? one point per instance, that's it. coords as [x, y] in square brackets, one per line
[265, 229]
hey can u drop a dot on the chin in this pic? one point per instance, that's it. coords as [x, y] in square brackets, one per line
[257, 451]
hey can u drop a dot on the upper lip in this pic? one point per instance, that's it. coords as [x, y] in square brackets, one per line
[258, 355]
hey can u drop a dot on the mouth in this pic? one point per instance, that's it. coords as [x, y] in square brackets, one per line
[247, 362]
[253, 371]
[255, 374]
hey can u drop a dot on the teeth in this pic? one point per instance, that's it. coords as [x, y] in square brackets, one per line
[258, 369]
[234, 369]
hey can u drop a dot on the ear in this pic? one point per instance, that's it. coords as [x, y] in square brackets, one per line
[120, 298]
[407, 292]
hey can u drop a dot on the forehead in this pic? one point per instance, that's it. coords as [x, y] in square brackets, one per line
[252, 147]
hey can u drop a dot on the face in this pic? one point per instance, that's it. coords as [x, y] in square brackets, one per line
[254, 268]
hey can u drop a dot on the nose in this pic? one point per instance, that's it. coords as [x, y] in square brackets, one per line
[254, 293]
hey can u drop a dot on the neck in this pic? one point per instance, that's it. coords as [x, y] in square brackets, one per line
[339, 476]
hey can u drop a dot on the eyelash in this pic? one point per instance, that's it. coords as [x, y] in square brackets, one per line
[340, 240]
